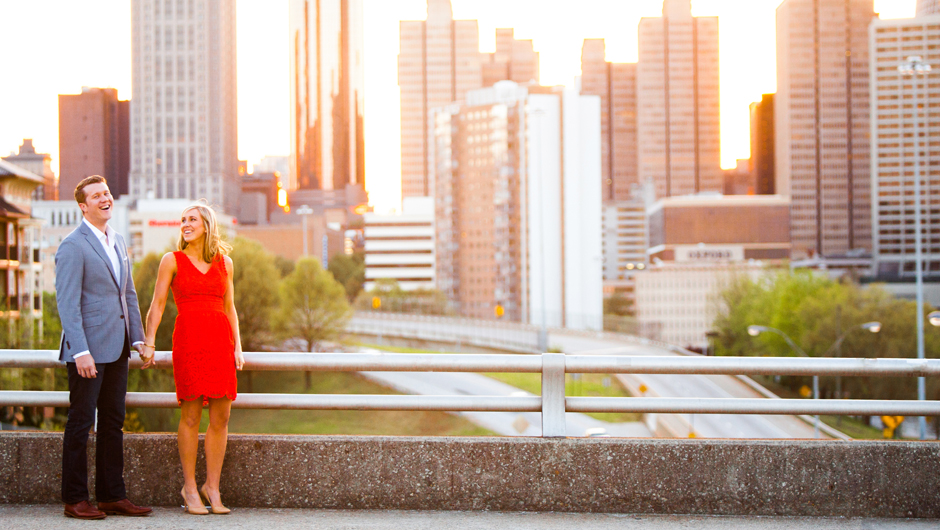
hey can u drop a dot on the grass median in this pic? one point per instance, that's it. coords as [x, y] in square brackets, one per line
[350, 422]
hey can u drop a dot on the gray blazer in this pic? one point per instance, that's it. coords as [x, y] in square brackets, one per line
[96, 312]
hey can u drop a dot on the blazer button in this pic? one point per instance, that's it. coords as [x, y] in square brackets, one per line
[122, 317]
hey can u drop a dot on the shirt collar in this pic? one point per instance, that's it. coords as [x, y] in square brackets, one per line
[109, 232]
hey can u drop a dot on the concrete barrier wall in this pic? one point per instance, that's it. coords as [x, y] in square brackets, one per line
[809, 478]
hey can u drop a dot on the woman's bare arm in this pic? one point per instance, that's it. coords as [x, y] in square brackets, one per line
[231, 313]
[160, 291]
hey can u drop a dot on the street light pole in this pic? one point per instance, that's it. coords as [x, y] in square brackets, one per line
[754, 331]
[915, 66]
[757, 330]
[303, 212]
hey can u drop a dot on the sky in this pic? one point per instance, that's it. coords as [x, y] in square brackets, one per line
[51, 47]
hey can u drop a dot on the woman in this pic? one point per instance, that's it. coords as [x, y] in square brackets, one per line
[206, 347]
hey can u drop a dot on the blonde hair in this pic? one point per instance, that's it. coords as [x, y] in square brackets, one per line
[213, 244]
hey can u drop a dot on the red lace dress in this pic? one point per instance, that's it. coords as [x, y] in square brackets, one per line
[203, 342]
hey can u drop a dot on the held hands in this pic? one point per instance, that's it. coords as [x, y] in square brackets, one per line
[147, 355]
[239, 359]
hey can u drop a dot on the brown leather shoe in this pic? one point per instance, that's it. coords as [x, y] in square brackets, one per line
[83, 510]
[124, 507]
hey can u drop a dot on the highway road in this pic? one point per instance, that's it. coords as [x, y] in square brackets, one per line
[505, 423]
[523, 338]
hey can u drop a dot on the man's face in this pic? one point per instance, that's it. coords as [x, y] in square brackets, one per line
[98, 203]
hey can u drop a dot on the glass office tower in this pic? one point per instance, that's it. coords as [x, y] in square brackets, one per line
[327, 147]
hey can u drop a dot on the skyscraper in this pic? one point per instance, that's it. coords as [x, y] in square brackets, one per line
[762, 163]
[94, 139]
[327, 95]
[678, 102]
[615, 83]
[514, 60]
[438, 62]
[822, 124]
[184, 138]
[927, 7]
[899, 103]
[518, 205]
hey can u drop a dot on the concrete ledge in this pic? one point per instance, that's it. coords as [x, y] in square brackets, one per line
[719, 477]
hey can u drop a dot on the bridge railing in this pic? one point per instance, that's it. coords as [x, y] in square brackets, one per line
[552, 403]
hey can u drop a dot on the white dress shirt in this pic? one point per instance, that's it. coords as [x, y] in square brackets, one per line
[107, 240]
[107, 243]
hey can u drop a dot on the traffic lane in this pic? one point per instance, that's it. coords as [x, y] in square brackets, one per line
[712, 425]
[505, 423]
[738, 388]
[440, 384]
[581, 345]
[723, 426]
[721, 386]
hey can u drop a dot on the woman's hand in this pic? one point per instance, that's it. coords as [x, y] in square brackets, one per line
[148, 355]
[239, 359]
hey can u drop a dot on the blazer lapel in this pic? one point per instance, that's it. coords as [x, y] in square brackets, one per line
[96, 244]
[121, 248]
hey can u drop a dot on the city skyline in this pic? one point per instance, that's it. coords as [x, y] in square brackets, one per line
[746, 33]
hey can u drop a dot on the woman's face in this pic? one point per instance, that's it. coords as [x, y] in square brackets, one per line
[192, 227]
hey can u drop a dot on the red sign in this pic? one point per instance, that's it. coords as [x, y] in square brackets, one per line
[154, 222]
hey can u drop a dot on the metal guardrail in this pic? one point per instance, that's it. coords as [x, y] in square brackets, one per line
[552, 366]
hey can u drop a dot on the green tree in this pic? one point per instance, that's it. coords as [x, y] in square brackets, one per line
[815, 311]
[51, 325]
[618, 304]
[256, 280]
[350, 272]
[284, 265]
[313, 305]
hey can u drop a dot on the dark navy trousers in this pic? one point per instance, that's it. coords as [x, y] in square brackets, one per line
[106, 393]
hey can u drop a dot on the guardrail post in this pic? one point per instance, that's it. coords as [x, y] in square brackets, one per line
[553, 395]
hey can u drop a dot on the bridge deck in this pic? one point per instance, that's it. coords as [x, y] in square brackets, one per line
[43, 517]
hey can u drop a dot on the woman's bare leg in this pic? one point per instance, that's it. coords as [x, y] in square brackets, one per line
[216, 441]
[187, 437]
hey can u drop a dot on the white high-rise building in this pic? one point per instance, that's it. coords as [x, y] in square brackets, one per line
[928, 7]
[678, 129]
[625, 241]
[400, 247]
[184, 142]
[518, 205]
[893, 149]
[821, 124]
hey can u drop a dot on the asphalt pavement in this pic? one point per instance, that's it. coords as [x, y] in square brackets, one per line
[704, 425]
[504, 423]
[44, 517]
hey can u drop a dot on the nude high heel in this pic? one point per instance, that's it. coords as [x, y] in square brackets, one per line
[220, 509]
[192, 510]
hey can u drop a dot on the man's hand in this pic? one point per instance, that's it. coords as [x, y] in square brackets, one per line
[86, 366]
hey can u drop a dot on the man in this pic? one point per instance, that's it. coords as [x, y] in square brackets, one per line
[100, 320]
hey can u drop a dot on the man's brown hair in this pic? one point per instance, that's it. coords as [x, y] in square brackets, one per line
[87, 181]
